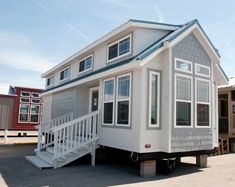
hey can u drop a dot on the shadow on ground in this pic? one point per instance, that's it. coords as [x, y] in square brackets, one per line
[16, 171]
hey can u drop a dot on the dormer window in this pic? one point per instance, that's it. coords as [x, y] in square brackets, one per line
[64, 74]
[119, 48]
[50, 81]
[86, 64]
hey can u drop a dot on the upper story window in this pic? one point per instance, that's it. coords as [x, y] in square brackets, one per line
[50, 81]
[86, 64]
[202, 70]
[64, 74]
[183, 65]
[25, 94]
[119, 48]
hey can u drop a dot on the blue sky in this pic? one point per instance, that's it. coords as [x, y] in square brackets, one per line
[38, 34]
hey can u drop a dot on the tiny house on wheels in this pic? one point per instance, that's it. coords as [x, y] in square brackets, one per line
[147, 88]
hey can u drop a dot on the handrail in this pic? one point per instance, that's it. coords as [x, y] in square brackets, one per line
[49, 121]
[74, 121]
[74, 134]
[45, 133]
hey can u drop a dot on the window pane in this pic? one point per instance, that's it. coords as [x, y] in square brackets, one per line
[183, 88]
[34, 118]
[223, 108]
[183, 66]
[24, 108]
[23, 118]
[123, 112]
[49, 82]
[109, 90]
[113, 51]
[203, 70]
[24, 100]
[35, 94]
[202, 115]
[124, 46]
[123, 87]
[183, 114]
[25, 94]
[154, 100]
[108, 113]
[88, 63]
[82, 66]
[66, 73]
[202, 91]
[35, 109]
[35, 100]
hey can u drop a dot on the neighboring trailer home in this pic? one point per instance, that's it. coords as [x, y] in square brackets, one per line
[227, 114]
[147, 88]
[20, 110]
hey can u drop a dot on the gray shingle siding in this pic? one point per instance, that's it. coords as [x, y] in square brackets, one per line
[189, 139]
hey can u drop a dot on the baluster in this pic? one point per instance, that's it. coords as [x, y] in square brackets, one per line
[75, 135]
[87, 125]
[94, 130]
[79, 132]
[71, 136]
[67, 138]
[39, 138]
[56, 144]
[90, 126]
[83, 123]
[63, 145]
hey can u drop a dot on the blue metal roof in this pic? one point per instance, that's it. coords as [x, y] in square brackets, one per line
[152, 22]
[146, 52]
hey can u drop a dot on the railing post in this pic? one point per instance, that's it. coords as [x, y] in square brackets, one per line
[55, 144]
[39, 139]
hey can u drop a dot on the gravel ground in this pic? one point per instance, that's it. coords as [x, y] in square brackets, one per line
[15, 171]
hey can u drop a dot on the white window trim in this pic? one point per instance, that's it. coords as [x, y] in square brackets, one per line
[23, 113]
[92, 58]
[201, 74]
[25, 92]
[186, 101]
[36, 98]
[151, 73]
[129, 99]
[109, 101]
[52, 83]
[117, 42]
[184, 61]
[24, 98]
[206, 103]
[39, 113]
[61, 80]
[35, 93]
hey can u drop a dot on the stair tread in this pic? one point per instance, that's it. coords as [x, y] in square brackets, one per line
[46, 156]
[39, 163]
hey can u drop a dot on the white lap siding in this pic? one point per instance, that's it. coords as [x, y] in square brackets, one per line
[63, 103]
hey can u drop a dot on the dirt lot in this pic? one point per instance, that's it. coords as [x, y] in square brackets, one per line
[15, 171]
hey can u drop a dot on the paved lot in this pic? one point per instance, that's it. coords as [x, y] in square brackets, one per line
[16, 172]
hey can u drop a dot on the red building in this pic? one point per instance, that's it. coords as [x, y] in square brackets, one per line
[20, 107]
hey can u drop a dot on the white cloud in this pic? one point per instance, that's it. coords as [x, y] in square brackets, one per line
[16, 51]
[24, 60]
[159, 13]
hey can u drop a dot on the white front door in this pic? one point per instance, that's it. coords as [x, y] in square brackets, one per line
[94, 99]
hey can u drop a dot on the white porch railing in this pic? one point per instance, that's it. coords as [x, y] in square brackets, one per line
[75, 134]
[45, 133]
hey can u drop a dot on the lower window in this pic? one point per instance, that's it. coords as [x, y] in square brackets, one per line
[183, 114]
[23, 113]
[123, 112]
[202, 115]
[108, 113]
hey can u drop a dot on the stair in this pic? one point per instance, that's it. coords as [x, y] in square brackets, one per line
[71, 141]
